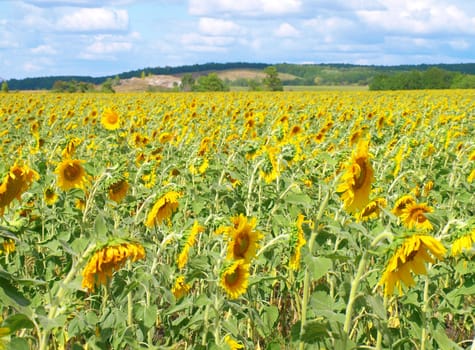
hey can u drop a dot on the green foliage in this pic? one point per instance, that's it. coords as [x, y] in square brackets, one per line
[187, 82]
[72, 86]
[4, 86]
[210, 82]
[272, 81]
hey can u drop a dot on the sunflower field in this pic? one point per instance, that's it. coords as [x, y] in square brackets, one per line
[238, 220]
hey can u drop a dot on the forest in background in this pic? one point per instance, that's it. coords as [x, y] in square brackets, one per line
[402, 77]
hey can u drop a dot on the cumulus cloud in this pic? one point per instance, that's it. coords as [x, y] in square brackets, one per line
[419, 17]
[287, 30]
[94, 19]
[244, 7]
[215, 26]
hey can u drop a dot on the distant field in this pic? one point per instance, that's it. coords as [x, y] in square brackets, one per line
[326, 88]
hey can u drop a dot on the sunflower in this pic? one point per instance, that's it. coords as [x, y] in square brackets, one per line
[232, 344]
[4, 331]
[372, 210]
[410, 256]
[297, 241]
[15, 183]
[190, 241]
[234, 278]
[8, 246]
[402, 203]
[163, 208]
[356, 181]
[71, 174]
[50, 196]
[463, 243]
[243, 239]
[106, 260]
[180, 288]
[110, 119]
[118, 190]
[413, 216]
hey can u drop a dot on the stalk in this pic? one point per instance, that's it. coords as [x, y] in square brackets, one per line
[306, 281]
[53, 312]
[425, 309]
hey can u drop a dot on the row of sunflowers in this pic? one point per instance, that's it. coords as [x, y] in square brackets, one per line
[237, 220]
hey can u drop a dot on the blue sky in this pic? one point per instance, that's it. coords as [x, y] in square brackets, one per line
[97, 38]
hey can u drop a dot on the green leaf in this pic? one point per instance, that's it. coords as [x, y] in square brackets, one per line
[318, 266]
[444, 342]
[270, 316]
[18, 344]
[16, 322]
[13, 293]
[150, 315]
[315, 330]
[100, 227]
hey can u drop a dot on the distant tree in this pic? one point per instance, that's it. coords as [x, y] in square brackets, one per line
[142, 75]
[463, 81]
[254, 85]
[107, 86]
[210, 82]
[187, 82]
[4, 86]
[272, 80]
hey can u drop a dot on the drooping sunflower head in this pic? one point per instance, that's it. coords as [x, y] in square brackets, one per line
[243, 239]
[234, 279]
[297, 241]
[110, 119]
[372, 210]
[118, 190]
[15, 183]
[402, 203]
[413, 216]
[180, 288]
[356, 181]
[109, 258]
[411, 256]
[71, 174]
[163, 208]
[464, 243]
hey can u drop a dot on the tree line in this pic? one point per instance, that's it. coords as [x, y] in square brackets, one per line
[432, 78]
[376, 77]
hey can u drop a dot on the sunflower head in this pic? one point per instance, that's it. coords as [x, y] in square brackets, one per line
[356, 181]
[71, 174]
[413, 216]
[180, 288]
[163, 208]
[118, 190]
[243, 239]
[411, 256]
[15, 183]
[50, 196]
[110, 119]
[402, 203]
[234, 279]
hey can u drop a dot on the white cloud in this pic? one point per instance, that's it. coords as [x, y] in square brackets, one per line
[43, 50]
[244, 7]
[94, 19]
[214, 26]
[287, 30]
[459, 44]
[419, 17]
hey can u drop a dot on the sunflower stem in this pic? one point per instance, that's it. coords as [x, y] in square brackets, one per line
[425, 309]
[306, 281]
[354, 289]
[60, 294]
